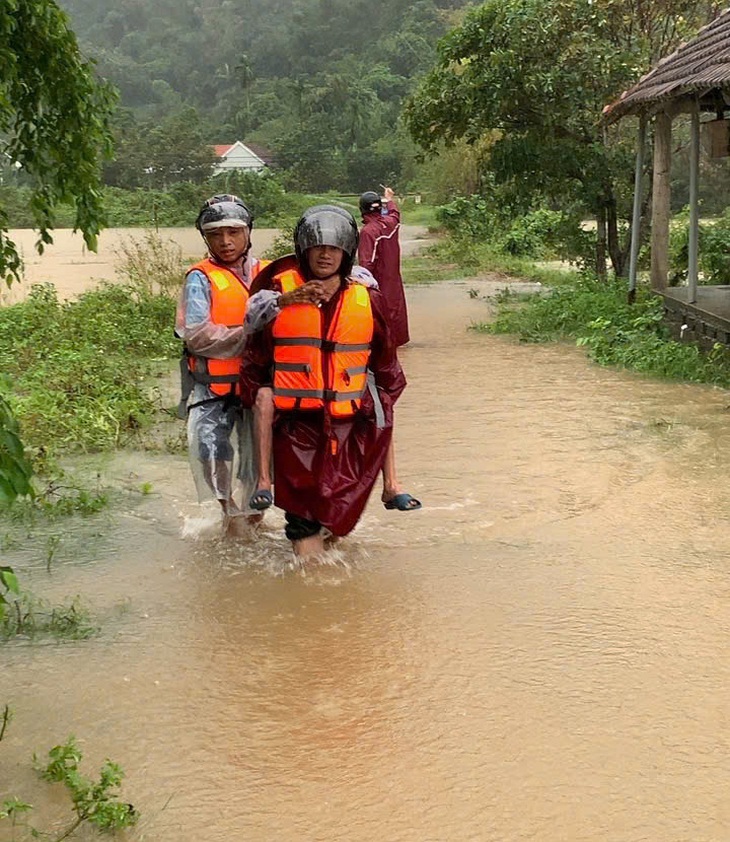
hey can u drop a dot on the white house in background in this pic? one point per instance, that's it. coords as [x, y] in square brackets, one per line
[239, 156]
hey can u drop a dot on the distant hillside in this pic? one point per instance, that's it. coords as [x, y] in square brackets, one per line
[162, 53]
[320, 83]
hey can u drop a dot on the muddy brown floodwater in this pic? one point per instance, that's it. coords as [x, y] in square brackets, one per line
[538, 654]
[72, 268]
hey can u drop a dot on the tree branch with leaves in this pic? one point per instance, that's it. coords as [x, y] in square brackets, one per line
[540, 72]
[54, 121]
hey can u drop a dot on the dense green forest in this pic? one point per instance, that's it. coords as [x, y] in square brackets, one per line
[490, 109]
[319, 83]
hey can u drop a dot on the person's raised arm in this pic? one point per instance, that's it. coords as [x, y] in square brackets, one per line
[392, 205]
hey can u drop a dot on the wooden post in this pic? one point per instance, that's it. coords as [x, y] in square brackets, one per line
[694, 205]
[661, 200]
[636, 216]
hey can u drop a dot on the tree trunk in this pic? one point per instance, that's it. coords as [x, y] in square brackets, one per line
[617, 254]
[601, 243]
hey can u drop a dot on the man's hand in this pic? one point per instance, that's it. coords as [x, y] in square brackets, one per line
[388, 193]
[309, 293]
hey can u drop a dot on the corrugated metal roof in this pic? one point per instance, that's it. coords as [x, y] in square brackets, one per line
[701, 63]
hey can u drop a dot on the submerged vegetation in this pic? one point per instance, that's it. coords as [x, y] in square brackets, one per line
[23, 614]
[95, 803]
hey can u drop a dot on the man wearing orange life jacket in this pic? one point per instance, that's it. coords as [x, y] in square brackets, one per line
[335, 379]
[210, 322]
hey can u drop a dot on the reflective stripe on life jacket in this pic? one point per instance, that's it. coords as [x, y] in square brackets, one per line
[313, 371]
[228, 299]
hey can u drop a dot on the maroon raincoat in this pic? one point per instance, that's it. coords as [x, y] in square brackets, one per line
[309, 480]
[379, 252]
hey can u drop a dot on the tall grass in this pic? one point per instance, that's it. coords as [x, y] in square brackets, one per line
[76, 373]
[595, 314]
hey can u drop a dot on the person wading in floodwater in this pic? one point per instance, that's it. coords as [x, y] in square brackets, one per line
[379, 253]
[332, 370]
[210, 322]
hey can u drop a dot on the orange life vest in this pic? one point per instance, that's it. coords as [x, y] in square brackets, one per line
[313, 371]
[228, 299]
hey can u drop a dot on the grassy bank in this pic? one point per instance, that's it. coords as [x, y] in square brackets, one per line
[87, 375]
[595, 315]
[450, 259]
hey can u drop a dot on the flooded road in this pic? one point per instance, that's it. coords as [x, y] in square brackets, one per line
[538, 654]
[72, 268]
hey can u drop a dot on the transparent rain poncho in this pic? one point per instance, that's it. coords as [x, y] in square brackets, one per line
[221, 449]
[220, 431]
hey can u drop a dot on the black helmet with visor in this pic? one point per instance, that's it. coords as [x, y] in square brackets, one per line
[327, 225]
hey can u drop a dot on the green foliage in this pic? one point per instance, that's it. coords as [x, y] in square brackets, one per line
[713, 249]
[597, 316]
[534, 235]
[12, 808]
[58, 497]
[176, 206]
[264, 194]
[472, 218]
[318, 84]
[474, 222]
[561, 313]
[15, 469]
[533, 76]
[8, 585]
[455, 257]
[54, 121]
[283, 244]
[94, 802]
[77, 369]
[152, 265]
[155, 154]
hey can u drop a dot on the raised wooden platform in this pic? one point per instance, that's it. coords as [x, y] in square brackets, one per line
[705, 321]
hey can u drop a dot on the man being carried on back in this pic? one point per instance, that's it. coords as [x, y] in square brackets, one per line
[335, 379]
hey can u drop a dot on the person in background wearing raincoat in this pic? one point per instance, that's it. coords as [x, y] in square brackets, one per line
[331, 366]
[210, 323]
[379, 253]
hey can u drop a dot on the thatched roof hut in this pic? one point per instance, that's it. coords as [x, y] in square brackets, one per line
[699, 71]
[694, 79]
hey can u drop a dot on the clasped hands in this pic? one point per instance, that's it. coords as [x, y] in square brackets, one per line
[313, 292]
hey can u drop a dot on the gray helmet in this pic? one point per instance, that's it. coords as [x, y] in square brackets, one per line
[370, 202]
[224, 211]
[327, 225]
